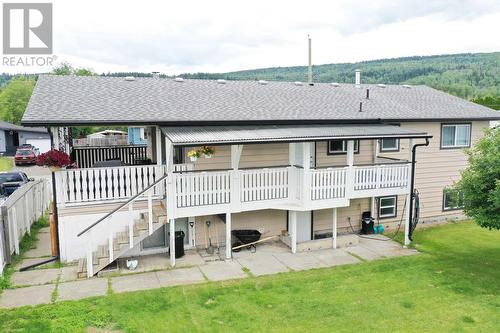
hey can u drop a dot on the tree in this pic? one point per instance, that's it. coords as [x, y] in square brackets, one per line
[14, 98]
[480, 183]
[63, 68]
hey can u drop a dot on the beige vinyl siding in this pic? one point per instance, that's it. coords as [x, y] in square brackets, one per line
[269, 221]
[365, 156]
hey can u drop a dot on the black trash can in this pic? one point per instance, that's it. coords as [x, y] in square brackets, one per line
[179, 244]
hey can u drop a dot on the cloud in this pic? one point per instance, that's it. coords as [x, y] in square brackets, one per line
[224, 35]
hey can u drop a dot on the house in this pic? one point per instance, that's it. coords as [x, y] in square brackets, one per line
[301, 162]
[137, 136]
[13, 136]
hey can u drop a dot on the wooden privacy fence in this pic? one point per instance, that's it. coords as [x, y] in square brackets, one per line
[86, 157]
[26, 205]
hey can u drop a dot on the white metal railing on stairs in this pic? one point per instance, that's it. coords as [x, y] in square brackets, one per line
[78, 186]
[148, 192]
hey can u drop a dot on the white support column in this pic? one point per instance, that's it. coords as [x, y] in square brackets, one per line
[291, 153]
[293, 231]
[158, 146]
[228, 236]
[169, 155]
[373, 208]
[334, 228]
[408, 197]
[350, 170]
[236, 151]
[292, 176]
[172, 242]
[306, 183]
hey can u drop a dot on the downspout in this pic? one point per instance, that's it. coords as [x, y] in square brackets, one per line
[412, 184]
[55, 214]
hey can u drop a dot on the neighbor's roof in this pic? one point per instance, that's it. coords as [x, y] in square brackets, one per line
[96, 100]
[12, 127]
[196, 135]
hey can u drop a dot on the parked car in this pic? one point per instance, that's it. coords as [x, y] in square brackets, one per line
[11, 181]
[25, 156]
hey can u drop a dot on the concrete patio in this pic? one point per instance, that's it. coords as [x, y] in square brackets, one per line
[48, 285]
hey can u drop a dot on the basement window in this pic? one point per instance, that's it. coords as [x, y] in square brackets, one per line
[452, 199]
[339, 147]
[387, 207]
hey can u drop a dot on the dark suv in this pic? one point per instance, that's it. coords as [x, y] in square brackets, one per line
[11, 181]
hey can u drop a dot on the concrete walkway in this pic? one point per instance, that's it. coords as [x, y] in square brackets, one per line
[49, 285]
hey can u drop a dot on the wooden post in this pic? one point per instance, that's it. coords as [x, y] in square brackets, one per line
[53, 231]
[334, 228]
[172, 242]
[293, 231]
[228, 236]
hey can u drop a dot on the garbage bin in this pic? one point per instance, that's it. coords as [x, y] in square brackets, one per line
[179, 244]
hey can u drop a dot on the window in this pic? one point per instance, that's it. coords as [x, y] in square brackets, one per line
[389, 145]
[452, 199]
[455, 135]
[387, 207]
[339, 147]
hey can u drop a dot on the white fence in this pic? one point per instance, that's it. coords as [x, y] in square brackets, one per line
[328, 183]
[381, 176]
[76, 186]
[101, 142]
[26, 205]
[264, 184]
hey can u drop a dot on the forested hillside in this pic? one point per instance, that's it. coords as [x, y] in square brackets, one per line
[465, 75]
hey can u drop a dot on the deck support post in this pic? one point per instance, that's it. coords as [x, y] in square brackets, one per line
[171, 223]
[293, 231]
[169, 155]
[228, 236]
[349, 189]
[158, 146]
[409, 197]
[334, 228]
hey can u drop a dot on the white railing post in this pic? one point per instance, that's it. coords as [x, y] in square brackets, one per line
[334, 228]
[350, 172]
[235, 190]
[130, 227]
[90, 264]
[228, 236]
[15, 228]
[293, 231]
[150, 212]
[172, 242]
[110, 242]
[292, 183]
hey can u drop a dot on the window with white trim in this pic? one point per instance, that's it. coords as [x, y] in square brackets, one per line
[388, 145]
[455, 135]
[452, 199]
[387, 206]
[338, 147]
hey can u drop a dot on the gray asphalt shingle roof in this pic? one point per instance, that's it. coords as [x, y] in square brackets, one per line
[74, 100]
[12, 127]
[194, 135]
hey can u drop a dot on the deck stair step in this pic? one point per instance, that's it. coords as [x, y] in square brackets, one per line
[121, 241]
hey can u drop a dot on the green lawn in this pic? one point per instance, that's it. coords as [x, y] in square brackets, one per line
[454, 286]
[6, 163]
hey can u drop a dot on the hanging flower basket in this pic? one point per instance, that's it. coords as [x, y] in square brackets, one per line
[207, 151]
[193, 155]
[54, 159]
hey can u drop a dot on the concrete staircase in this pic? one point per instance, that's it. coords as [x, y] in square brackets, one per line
[121, 241]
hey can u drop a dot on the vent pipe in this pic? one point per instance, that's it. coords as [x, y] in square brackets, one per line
[367, 93]
[309, 67]
[360, 106]
[358, 78]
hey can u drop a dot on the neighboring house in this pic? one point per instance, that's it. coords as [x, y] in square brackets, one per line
[102, 139]
[298, 161]
[137, 136]
[13, 136]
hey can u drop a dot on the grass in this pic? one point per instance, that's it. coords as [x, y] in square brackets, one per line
[452, 287]
[26, 244]
[6, 163]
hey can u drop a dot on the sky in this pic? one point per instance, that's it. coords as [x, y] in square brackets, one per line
[175, 37]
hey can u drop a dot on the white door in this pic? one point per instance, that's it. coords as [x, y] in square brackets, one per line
[303, 226]
[42, 144]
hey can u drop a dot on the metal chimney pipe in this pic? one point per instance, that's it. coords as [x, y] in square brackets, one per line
[358, 78]
[367, 93]
[309, 68]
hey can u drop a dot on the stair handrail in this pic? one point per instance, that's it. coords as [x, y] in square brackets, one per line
[122, 205]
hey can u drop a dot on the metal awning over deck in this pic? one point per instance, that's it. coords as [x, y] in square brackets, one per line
[196, 135]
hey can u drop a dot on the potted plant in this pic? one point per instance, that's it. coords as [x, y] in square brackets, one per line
[193, 155]
[207, 151]
[54, 160]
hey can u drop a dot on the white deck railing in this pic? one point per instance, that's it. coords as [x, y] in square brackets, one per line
[96, 185]
[245, 189]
